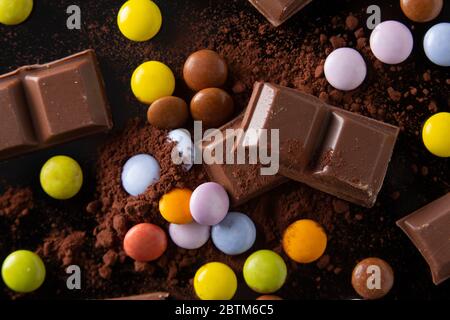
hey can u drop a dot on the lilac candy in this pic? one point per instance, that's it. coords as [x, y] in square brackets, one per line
[140, 172]
[391, 42]
[209, 204]
[345, 69]
[189, 236]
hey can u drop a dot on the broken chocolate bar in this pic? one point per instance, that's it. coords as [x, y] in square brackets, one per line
[278, 11]
[429, 230]
[327, 148]
[45, 105]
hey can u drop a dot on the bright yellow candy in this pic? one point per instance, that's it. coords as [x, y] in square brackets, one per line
[174, 206]
[152, 80]
[13, 12]
[139, 20]
[61, 177]
[436, 134]
[304, 241]
[215, 281]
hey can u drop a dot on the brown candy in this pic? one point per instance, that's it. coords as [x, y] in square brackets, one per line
[372, 278]
[421, 10]
[212, 106]
[205, 69]
[168, 113]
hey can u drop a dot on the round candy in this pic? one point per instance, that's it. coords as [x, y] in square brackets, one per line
[152, 80]
[140, 172]
[215, 281]
[61, 177]
[139, 20]
[23, 271]
[209, 203]
[205, 69]
[145, 242]
[372, 278]
[13, 12]
[212, 106]
[391, 42]
[184, 151]
[265, 271]
[189, 236]
[436, 133]
[269, 297]
[437, 44]
[168, 113]
[235, 234]
[345, 69]
[174, 206]
[421, 10]
[304, 241]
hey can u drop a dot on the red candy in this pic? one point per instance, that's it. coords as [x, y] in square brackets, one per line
[145, 242]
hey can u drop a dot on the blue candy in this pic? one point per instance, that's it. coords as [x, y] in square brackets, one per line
[437, 44]
[235, 234]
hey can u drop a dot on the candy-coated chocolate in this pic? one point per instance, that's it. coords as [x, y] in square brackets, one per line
[212, 106]
[421, 10]
[215, 281]
[437, 44]
[139, 20]
[209, 204]
[391, 42]
[235, 234]
[265, 271]
[151, 81]
[140, 172]
[269, 297]
[436, 134]
[183, 152]
[13, 12]
[174, 206]
[345, 69]
[61, 177]
[168, 113]
[372, 278]
[205, 69]
[145, 242]
[23, 271]
[304, 241]
[189, 236]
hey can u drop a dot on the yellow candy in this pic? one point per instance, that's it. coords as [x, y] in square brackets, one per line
[215, 281]
[304, 241]
[152, 80]
[13, 12]
[61, 177]
[139, 20]
[436, 134]
[174, 206]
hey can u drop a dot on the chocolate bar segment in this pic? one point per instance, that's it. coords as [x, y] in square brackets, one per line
[243, 182]
[278, 11]
[327, 148]
[429, 230]
[51, 104]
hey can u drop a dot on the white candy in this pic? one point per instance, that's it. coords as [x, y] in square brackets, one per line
[183, 152]
[140, 172]
[345, 69]
[189, 236]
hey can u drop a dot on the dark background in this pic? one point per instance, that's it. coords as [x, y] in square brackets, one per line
[44, 37]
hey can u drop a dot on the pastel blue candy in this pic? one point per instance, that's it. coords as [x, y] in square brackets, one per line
[437, 44]
[139, 172]
[235, 234]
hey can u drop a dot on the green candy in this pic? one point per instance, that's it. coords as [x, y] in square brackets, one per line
[23, 271]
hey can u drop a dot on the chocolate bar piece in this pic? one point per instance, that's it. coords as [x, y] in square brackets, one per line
[45, 105]
[243, 182]
[327, 148]
[429, 230]
[278, 11]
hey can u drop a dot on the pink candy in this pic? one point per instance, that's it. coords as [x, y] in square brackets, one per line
[391, 42]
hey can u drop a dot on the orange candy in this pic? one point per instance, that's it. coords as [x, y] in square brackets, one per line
[145, 242]
[174, 206]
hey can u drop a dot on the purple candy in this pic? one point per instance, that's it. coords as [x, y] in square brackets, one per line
[209, 204]
[345, 69]
[189, 236]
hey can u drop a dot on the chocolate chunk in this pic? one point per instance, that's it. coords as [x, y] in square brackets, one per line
[278, 11]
